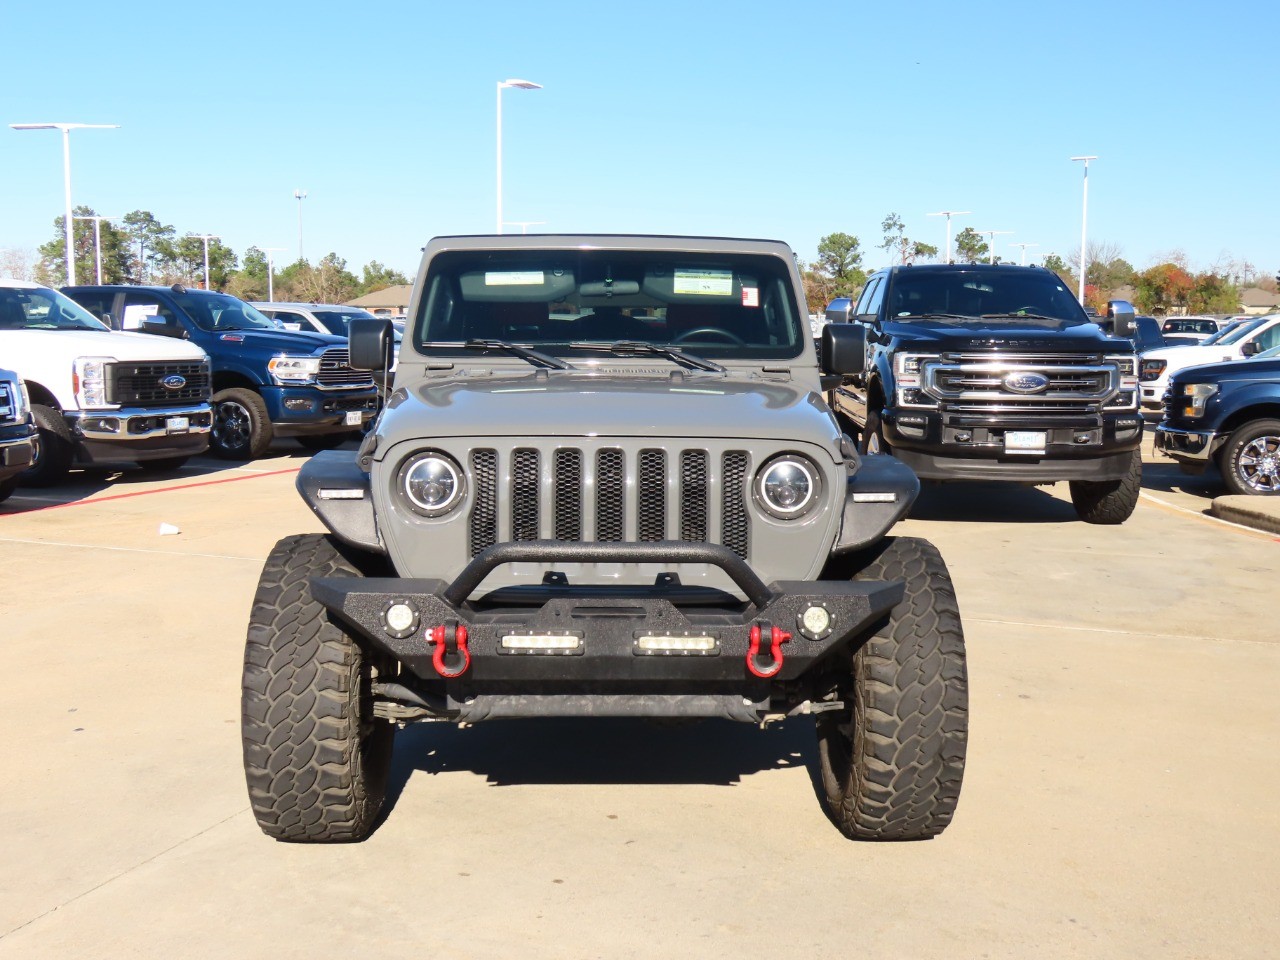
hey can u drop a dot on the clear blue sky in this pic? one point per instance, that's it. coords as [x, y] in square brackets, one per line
[786, 120]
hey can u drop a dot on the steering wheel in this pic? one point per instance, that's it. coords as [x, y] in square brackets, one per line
[709, 331]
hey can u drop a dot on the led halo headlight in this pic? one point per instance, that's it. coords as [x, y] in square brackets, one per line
[787, 486]
[432, 483]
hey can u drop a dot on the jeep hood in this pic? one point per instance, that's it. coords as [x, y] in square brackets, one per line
[574, 404]
[1048, 336]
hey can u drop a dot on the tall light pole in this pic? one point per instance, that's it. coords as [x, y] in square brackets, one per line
[1024, 250]
[502, 85]
[524, 225]
[97, 241]
[66, 129]
[1084, 225]
[271, 290]
[300, 195]
[991, 242]
[949, 214]
[206, 237]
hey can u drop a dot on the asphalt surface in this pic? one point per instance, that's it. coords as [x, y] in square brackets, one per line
[1119, 799]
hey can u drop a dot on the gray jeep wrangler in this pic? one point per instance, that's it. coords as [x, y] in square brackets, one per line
[605, 483]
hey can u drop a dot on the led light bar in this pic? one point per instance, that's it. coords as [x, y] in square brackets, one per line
[662, 643]
[888, 497]
[337, 493]
[549, 642]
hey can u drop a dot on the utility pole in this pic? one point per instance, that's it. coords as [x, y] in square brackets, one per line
[1024, 250]
[206, 237]
[1084, 226]
[97, 241]
[949, 214]
[524, 225]
[991, 243]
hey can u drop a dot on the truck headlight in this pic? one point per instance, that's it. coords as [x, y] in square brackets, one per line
[432, 483]
[89, 381]
[1195, 396]
[287, 369]
[787, 486]
[1151, 369]
[20, 399]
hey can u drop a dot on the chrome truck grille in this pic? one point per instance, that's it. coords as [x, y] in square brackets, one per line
[1044, 384]
[573, 494]
[336, 373]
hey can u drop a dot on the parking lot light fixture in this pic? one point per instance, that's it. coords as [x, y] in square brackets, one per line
[1024, 250]
[502, 85]
[949, 214]
[991, 242]
[66, 129]
[300, 195]
[97, 241]
[206, 237]
[271, 290]
[1084, 225]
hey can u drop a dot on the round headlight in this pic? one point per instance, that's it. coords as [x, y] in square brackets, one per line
[432, 483]
[787, 487]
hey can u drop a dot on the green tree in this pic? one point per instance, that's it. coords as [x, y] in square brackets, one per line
[970, 247]
[1059, 266]
[840, 259]
[186, 256]
[148, 239]
[1163, 287]
[377, 277]
[250, 281]
[1213, 293]
[902, 248]
[52, 268]
[329, 281]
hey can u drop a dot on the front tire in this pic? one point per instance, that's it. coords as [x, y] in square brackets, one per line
[241, 426]
[873, 440]
[1251, 459]
[54, 450]
[892, 762]
[315, 759]
[1109, 501]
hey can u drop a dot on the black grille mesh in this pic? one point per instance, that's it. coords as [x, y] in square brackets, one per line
[610, 490]
[524, 495]
[139, 384]
[568, 495]
[693, 496]
[735, 525]
[484, 512]
[651, 497]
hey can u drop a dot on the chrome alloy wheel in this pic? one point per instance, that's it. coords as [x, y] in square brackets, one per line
[1258, 464]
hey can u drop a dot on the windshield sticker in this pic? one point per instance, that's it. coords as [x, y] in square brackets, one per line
[514, 278]
[713, 283]
[751, 296]
[136, 313]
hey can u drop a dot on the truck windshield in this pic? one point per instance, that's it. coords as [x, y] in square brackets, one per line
[40, 308]
[337, 321]
[730, 306]
[1236, 333]
[219, 311]
[972, 293]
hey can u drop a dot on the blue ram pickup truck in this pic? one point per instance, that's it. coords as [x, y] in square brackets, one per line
[1227, 414]
[267, 383]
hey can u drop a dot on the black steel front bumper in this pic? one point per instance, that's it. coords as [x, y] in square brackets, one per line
[620, 651]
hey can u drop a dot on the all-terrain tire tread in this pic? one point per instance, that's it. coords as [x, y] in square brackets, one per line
[1109, 501]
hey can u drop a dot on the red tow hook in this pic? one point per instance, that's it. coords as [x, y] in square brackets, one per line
[777, 637]
[450, 641]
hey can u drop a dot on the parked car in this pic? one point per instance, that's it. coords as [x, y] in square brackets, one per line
[1248, 339]
[99, 397]
[1192, 328]
[1227, 414]
[314, 317]
[266, 382]
[17, 431]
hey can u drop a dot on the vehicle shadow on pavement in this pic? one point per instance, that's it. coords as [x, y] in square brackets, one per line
[601, 751]
[1168, 477]
[975, 502]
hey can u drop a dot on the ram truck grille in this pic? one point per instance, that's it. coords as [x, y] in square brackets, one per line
[336, 373]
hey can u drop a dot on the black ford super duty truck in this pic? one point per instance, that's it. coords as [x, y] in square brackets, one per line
[995, 372]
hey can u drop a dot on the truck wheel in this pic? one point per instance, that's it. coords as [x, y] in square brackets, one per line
[892, 761]
[315, 759]
[1251, 459]
[164, 464]
[873, 440]
[54, 451]
[6, 489]
[1109, 501]
[325, 441]
[241, 427]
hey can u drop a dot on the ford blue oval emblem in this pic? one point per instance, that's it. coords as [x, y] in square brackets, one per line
[173, 382]
[1026, 383]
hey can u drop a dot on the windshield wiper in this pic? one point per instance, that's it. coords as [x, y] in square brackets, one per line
[935, 316]
[632, 347]
[1018, 316]
[524, 353]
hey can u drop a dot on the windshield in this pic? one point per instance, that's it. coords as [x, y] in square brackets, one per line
[43, 309]
[1235, 333]
[972, 293]
[1267, 354]
[736, 306]
[337, 321]
[218, 311]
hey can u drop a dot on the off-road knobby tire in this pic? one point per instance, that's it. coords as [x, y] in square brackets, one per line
[1109, 501]
[227, 439]
[315, 759]
[54, 451]
[892, 763]
[1229, 459]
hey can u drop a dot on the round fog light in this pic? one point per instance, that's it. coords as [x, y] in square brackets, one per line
[399, 619]
[815, 622]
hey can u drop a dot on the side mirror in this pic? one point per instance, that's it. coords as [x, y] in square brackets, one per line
[370, 343]
[162, 329]
[1250, 349]
[840, 310]
[844, 349]
[109, 321]
[1121, 314]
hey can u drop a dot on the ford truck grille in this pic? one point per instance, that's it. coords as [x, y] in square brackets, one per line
[608, 495]
[336, 373]
[6, 403]
[157, 384]
[1043, 384]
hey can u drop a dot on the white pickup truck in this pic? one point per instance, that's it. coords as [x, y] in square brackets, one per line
[1238, 343]
[97, 396]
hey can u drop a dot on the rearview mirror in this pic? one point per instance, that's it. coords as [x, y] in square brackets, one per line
[844, 348]
[1121, 315]
[370, 343]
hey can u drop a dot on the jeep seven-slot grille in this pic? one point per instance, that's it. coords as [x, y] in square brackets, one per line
[593, 503]
[336, 373]
[143, 384]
